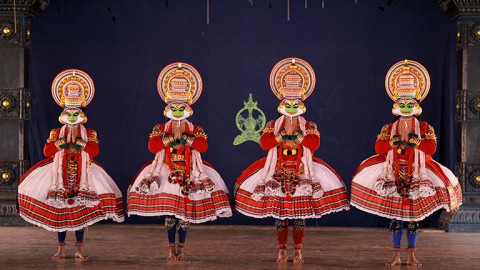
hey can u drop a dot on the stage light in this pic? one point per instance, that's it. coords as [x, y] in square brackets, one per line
[5, 176]
[6, 31]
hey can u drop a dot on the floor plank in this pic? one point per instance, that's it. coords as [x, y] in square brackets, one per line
[128, 246]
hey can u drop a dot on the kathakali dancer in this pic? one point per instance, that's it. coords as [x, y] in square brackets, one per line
[178, 184]
[402, 182]
[68, 191]
[290, 183]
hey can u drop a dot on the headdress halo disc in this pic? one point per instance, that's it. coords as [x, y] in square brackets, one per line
[73, 76]
[292, 77]
[419, 73]
[179, 82]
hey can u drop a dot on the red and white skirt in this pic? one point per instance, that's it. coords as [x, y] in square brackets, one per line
[448, 193]
[296, 206]
[32, 197]
[168, 200]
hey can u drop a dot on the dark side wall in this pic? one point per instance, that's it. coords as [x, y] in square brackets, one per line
[123, 45]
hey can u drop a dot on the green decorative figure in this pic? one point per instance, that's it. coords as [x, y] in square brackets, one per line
[249, 126]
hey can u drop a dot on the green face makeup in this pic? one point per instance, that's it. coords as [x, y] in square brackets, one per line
[178, 111]
[72, 116]
[406, 107]
[291, 108]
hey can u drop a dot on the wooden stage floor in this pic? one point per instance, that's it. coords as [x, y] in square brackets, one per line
[127, 246]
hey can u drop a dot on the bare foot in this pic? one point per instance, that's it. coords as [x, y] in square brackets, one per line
[79, 254]
[297, 256]
[60, 253]
[180, 254]
[172, 254]
[411, 260]
[395, 259]
[282, 256]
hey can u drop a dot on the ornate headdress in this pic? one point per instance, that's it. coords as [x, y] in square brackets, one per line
[73, 88]
[407, 79]
[179, 82]
[292, 78]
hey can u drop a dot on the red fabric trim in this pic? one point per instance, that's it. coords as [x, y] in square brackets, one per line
[395, 207]
[162, 202]
[59, 218]
[291, 207]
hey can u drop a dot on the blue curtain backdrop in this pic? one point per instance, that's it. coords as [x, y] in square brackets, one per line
[123, 45]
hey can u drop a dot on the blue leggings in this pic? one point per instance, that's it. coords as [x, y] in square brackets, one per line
[173, 224]
[78, 237]
[396, 228]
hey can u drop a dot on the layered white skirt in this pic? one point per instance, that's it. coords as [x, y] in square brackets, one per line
[167, 199]
[447, 195]
[73, 215]
[306, 202]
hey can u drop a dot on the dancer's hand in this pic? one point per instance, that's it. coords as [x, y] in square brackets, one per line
[395, 141]
[60, 144]
[299, 135]
[167, 139]
[79, 144]
[414, 141]
[279, 138]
